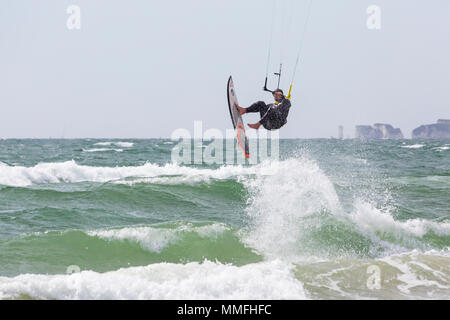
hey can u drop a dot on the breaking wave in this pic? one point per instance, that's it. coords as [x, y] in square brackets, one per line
[71, 172]
[156, 239]
[202, 281]
[295, 221]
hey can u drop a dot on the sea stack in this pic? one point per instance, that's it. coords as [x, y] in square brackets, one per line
[378, 131]
[438, 130]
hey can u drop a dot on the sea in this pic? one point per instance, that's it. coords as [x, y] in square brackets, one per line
[327, 219]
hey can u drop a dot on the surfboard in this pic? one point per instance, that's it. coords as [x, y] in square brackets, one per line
[236, 119]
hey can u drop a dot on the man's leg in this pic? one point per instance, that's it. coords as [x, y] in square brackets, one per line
[241, 110]
[259, 106]
[255, 125]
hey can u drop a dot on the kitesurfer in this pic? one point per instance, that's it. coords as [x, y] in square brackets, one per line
[273, 116]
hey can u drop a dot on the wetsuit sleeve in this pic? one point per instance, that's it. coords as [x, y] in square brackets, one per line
[284, 110]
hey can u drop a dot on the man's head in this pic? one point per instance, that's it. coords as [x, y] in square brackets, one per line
[278, 95]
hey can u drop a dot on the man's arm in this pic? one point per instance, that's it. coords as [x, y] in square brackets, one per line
[283, 109]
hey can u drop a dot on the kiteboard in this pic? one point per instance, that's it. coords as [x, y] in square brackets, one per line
[236, 118]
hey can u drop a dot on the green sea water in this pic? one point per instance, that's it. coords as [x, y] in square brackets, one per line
[330, 219]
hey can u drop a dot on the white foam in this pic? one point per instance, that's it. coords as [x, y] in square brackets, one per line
[118, 144]
[443, 148]
[199, 281]
[156, 239]
[102, 150]
[71, 172]
[409, 275]
[414, 146]
[371, 219]
[124, 144]
[103, 144]
[411, 267]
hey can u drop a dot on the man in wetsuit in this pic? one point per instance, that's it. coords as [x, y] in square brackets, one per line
[273, 116]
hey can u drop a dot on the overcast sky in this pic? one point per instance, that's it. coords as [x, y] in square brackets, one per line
[141, 69]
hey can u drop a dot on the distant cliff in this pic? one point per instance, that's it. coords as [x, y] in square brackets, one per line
[439, 130]
[443, 121]
[378, 131]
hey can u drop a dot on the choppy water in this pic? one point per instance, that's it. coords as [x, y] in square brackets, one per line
[319, 223]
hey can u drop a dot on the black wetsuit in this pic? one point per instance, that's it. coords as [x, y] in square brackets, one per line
[273, 116]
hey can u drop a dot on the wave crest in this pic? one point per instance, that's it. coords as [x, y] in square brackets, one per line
[199, 281]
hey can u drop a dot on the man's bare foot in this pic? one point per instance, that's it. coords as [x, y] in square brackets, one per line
[241, 110]
[255, 125]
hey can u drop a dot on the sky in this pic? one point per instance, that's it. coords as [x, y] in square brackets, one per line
[144, 68]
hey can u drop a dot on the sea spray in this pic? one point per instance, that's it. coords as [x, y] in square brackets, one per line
[280, 201]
